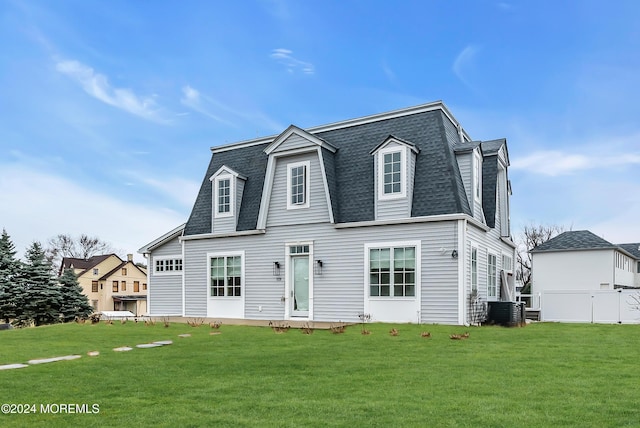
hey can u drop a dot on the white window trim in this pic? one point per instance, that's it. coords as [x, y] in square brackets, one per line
[171, 272]
[307, 181]
[477, 176]
[216, 200]
[474, 247]
[403, 173]
[242, 272]
[497, 284]
[509, 255]
[393, 244]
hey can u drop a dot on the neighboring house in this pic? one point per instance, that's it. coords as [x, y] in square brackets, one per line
[399, 215]
[111, 283]
[584, 278]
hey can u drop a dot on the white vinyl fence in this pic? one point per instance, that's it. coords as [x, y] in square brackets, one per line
[602, 306]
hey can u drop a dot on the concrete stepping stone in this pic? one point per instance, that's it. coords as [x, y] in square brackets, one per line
[184, 335]
[122, 349]
[13, 366]
[164, 342]
[93, 353]
[51, 360]
[149, 345]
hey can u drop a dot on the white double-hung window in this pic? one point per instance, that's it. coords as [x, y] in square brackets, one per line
[223, 195]
[298, 185]
[392, 271]
[492, 276]
[225, 278]
[391, 173]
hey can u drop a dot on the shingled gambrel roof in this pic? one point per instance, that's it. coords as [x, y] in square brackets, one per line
[490, 150]
[574, 240]
[250, 161]
[438, 185]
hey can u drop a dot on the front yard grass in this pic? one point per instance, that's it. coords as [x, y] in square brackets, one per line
[541, 375]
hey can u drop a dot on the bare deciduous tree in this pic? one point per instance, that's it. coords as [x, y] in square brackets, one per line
[82, 247]
[531, 236]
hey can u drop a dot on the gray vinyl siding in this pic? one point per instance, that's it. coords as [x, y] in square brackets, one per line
[339, 292]
[318, 211]
[466, 168]
[165, 291]
[294, 141]
[487, 242]
[440, 275]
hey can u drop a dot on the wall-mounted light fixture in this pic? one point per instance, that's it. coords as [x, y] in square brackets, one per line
[276, 268]
[317, 268]
[454, 254]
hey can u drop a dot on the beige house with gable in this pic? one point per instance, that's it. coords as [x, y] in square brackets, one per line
[110, 283]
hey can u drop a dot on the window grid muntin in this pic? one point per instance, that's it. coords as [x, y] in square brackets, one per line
[474, 269]
[392, 173]
[226, 276]
[224, 196]
[492, 275]
[392, 277]
[167, 265]
[298, 185]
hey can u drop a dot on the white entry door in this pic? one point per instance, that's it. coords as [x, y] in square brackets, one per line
[300, 286]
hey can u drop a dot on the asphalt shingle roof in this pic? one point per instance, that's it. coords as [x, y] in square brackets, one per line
[632, 248]
[438, 185]
[574, 240]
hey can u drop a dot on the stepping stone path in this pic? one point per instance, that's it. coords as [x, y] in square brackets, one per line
[13, 366]
[148, 345]
[184, 335]
[51, 360]
[90, 353]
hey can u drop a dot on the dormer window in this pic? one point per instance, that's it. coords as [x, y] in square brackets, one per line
[223, 199]
[224, 196]
[477, 177]
[298, 185]
[392, 175]
[392, 182]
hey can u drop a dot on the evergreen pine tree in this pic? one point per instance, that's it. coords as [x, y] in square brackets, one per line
[43, 298]
[74, 303]
[11, 290]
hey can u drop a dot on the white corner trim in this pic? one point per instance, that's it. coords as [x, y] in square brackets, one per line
[325, 183]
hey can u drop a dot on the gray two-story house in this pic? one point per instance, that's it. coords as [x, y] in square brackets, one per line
[400, 215]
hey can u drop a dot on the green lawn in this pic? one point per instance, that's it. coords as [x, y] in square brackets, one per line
[543, 375]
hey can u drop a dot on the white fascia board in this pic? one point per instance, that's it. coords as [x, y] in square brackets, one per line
[222, 235]
[423, 219]
[226, 170]
[292, 129]
[161, 240]
[436, 105]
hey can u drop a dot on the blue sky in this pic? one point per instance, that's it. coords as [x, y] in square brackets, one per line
[108, 109]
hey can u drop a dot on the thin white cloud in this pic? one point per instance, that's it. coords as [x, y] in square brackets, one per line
[291, 63]
[37, 205]
[191, 98]
[223, 113]
[178, 189]
[555, 162]
[464, 63]
[97, 85]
